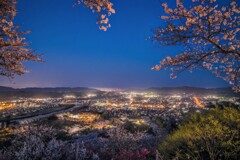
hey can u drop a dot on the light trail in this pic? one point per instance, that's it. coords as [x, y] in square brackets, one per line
[198, 103]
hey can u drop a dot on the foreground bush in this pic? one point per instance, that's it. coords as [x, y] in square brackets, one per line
[136, 126]
[211, 135]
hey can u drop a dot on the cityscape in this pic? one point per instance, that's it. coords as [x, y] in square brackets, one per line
[141, 102]
[120, 80]
[94, 116]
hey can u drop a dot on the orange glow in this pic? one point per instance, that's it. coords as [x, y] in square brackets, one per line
[86, 118]
[5, 106]
[198, 103]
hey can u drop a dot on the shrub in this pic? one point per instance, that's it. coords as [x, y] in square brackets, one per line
[133, 127]
[140, 154]
[213, 134]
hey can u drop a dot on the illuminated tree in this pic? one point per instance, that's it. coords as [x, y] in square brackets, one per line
[210, 36]
[14, 50]
[39, 142]
[104, 8]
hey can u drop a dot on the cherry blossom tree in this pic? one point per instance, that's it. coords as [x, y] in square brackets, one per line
[40, 142]
[209, 33]
[103, 8]
[14, 50]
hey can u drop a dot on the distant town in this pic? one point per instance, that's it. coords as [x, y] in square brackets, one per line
[154, 103]
[103, 117]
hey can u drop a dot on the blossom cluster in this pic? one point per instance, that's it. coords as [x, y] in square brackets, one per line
[14, 50]
[209, 33]
[104, 8]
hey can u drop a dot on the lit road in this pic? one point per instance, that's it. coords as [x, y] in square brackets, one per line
[25, 120]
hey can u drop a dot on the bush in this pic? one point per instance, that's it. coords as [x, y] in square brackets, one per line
[106, 115]
[140, 154]
[136, 127]
[53, 117]
[213, 134]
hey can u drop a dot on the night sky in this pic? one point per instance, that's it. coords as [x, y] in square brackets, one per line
[78, 54]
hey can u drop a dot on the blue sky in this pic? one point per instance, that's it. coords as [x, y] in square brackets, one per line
[77, 53]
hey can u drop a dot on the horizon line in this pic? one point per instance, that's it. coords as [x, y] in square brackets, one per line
[119, 88]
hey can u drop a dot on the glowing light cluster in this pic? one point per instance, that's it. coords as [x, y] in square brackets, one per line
[198, 103]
